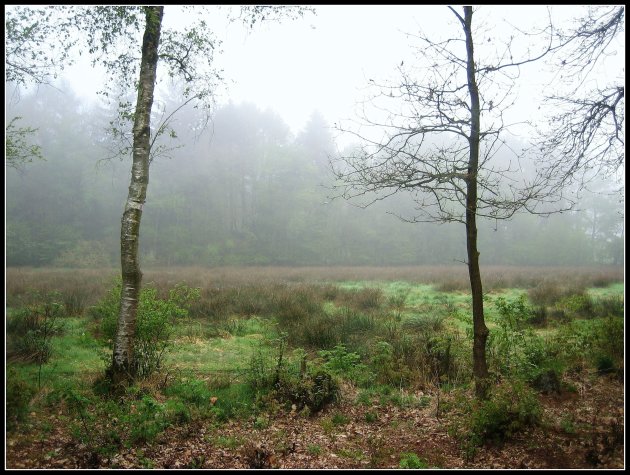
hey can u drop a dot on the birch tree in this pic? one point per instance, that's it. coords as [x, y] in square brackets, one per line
[136, 53]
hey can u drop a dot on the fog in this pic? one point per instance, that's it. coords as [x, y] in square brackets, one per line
[254, 186]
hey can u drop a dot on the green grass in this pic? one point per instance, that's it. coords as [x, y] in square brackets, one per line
[612, 290]
[76, 352]
[217, 354]
[222, 349]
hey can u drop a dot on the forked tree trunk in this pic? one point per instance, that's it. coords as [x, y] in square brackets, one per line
[123, 365]
[480, 366]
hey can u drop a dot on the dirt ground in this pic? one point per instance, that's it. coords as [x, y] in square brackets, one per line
[580, 429]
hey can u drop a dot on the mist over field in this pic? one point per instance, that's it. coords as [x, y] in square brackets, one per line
[246, 191]
[251, 182]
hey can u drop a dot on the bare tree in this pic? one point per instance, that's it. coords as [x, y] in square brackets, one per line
[585, 136]
[439, 142]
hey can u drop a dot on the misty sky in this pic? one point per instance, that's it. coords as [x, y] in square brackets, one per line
[321, 62]
[324, 61]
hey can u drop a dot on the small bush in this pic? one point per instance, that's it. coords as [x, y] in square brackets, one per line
[147, 420]
[352, 323]
[314, 391]
[154, 323]
[548, 293]
[329, 292]
[610, 337]
[547, 381]
[609, 307]
[315, 331]
[578, 304]
[510, 408]
[177, 412]
[75, 301]
[539, 316]
[340, 362]
[399, 299]
[18, 398]
[388, 368]
[604, 364]
[30, 331]
[311, 387]
[411, 460]
[514, 348]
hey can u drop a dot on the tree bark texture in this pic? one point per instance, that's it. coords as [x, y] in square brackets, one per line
[123, 364]
[480, 366]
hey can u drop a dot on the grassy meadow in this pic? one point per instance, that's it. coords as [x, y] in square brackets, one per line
[270, 367]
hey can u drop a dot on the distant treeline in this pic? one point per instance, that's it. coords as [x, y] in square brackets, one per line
[246, 191]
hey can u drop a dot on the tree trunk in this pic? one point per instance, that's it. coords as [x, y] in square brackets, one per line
[480, 366]
[123, 364]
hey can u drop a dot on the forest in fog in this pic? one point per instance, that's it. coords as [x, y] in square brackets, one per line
[287, 236]
[245, 190]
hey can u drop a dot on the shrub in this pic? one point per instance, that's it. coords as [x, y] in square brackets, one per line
[300, 314]
[30, 330]
[311, 387]
[604, 364]
[548, 293]
[411, 460]
[609, 343]
[609, 307]
[313, 391]
[340, 362]
[18, 397]
[399, 299]
[388, 368]
[147, 419]
[514, 347]
[547, 381]
[315, 331]
[510, 408]
[575, 343]
[177, 412]
[611, 336]
[75, 301]
[539, 316]
[154, 323]
[351, 323]
[578, 304]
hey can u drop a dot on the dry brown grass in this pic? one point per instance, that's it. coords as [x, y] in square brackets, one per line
[92, 284]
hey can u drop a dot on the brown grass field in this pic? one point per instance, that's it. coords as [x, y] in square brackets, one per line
[92, 284]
